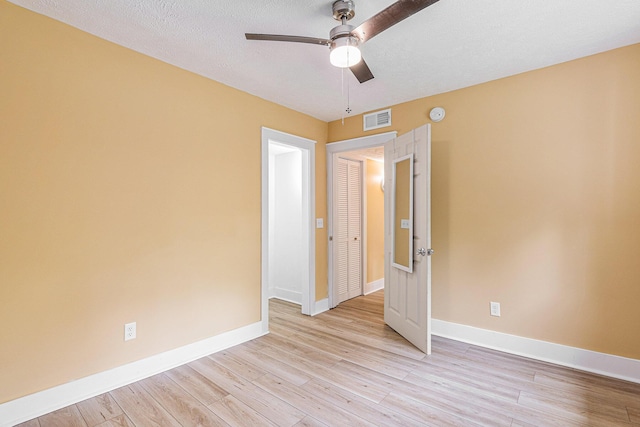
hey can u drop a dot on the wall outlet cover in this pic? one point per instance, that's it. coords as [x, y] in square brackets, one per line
[495, 309]
[129, 331]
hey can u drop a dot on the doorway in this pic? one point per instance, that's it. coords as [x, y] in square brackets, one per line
[288, 232]
[407, 291]
[351, 149]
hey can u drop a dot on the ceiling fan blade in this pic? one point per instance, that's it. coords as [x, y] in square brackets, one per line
[388, 17]
[361, 71]
[283, 38]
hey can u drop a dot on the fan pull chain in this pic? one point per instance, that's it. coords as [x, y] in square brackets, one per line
[342, 89]
[348, 110]
[343, 85]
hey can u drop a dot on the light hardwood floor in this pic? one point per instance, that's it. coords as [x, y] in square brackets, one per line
[345, 367]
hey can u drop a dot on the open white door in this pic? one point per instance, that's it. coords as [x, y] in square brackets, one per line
[407, 295]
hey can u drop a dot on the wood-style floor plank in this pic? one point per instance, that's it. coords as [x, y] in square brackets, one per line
[196, 384]
[117, 421]
[345, 332]
[477, 406]
[268, 405]
[272, 365]
[582, 413]
[392, 364]
[219, 375]
[345, 367]
[279, 346]
[141, 408]
[364, 408]
[236, 413]
[65, 417]
[589, 401]
[309, 422]
[462, 380]
[99, 409]
[585, 386]
[426, 415]
[180, 404]
[308, 402]
[238, 365]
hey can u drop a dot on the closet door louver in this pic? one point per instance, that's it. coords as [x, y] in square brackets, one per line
[348, 265]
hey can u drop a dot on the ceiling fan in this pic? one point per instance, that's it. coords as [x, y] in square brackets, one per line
[344, 39]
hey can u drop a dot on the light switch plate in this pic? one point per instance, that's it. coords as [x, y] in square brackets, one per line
[404, 223]
[319, 223]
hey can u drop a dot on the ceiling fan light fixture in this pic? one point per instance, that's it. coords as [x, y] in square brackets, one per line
[345, 52]
[345, 39]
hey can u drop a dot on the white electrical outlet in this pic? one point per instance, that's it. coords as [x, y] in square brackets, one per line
[129, 331]
[495, 309]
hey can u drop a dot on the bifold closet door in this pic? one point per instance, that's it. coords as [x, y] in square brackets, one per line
[349, 230]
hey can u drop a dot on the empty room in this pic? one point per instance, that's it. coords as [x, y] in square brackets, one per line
[457, 245]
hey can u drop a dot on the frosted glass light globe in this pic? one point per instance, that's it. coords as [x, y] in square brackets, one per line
[344, 54]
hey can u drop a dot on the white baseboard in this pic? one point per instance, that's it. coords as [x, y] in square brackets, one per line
[374, 286]
[320, 306]
[43, 402]
[573, 357]
[286, 295]
[316, 308]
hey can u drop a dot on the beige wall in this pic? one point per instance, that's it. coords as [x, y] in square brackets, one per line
[129, 191]
[536, 201]
[375, 221]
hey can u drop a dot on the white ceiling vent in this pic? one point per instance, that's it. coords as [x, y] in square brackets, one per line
[376, 120]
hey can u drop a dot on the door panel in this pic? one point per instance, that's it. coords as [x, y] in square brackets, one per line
[354, 186]
[342, 268]
[407, 296]
[348, 254]
[355, 269]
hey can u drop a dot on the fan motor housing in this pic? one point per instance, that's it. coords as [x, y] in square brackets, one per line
[340, 31]
[343, 9]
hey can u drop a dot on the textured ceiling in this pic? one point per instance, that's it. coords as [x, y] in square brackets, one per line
[450, 45]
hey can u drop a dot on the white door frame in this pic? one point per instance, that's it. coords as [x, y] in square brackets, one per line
[309, 147]
[333, 149]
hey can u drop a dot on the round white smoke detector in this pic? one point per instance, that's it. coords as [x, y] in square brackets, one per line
[437, 114]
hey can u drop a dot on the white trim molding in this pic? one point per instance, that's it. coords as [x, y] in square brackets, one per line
[309, 147]
[286, 295]
[586, 360]
[374, 286]
[321, 306]
[40, 403]
[333, 148]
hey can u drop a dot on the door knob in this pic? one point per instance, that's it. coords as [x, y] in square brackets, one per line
[430, 251]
